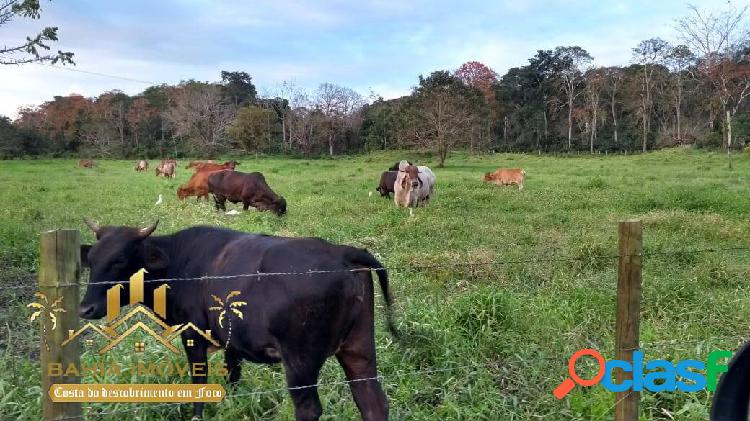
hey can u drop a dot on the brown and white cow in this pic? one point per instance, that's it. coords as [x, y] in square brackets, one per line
[141, 165]
[86, 163]
[507, 177]
[414, 186]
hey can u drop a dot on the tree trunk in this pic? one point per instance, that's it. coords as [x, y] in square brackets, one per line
[593, 131]
[505, 128]
[729, 129]
[283, 131]
[729, 137]
[679, 112]
[570, 121]
[614, 117]
[645, 105]
[645, 130]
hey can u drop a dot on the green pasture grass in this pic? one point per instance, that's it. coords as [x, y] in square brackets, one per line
[516, 324]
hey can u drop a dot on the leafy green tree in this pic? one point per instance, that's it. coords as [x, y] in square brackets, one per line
[239, 87]
[380, 123]
[35, 49]
[252, 128]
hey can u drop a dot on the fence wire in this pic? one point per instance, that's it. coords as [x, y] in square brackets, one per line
[411, 268]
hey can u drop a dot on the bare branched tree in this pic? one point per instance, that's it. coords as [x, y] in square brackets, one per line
[440, 120]
[720, 39]
[649, 54]
[200, 114]
[340, 107]
[574, 60]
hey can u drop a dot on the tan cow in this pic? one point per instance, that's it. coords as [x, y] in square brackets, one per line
[141, 165]
[167, 168]
[86, 163]
[506, 177]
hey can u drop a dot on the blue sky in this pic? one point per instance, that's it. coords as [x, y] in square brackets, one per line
[377, 45]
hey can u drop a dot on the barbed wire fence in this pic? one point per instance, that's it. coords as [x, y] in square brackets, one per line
[29, 284]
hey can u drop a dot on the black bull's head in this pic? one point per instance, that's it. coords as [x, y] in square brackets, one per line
[118, 253]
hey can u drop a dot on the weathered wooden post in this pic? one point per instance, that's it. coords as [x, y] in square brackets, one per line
[629, 278]
[59, 270]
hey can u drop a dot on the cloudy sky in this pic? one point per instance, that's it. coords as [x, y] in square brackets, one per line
[368, 45]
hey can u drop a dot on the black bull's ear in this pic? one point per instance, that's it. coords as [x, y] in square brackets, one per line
[155, 257]
[85, 255]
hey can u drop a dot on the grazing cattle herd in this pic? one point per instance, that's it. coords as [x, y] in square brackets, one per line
[297, 321]
[411, 185]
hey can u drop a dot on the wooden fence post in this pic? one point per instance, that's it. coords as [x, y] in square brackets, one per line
[59, 270]
[629, 279]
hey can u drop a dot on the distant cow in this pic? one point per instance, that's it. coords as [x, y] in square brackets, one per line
[207, 166]
[194, 163]
[506, 177]
[196, 186]
[394, 167]
[86, 163]
[299, 321]
[414, 185]
[141, 165]
[250, 189]
[387, 180]
[167, 168]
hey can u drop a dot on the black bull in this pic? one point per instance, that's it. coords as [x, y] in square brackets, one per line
[298, 320]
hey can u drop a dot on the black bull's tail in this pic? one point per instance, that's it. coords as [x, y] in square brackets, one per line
[364, 258]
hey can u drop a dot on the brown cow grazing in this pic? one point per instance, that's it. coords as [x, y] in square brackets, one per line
[250, 189]
[141, 165]
[229, 165]
[86, 163]
[507, 176]
[167, 168]
[196, 186]
[387, 180]
[192, 164]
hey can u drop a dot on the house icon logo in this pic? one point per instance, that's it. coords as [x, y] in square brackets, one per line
[117, 329]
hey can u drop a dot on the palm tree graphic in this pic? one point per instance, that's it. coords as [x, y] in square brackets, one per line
[228, 304]
[44, 307]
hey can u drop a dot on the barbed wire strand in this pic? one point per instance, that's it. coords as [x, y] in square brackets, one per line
[397, 268]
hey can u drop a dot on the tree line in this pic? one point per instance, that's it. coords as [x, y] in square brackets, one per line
[691, 91]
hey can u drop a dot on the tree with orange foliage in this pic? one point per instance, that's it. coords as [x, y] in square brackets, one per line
[479, 76]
